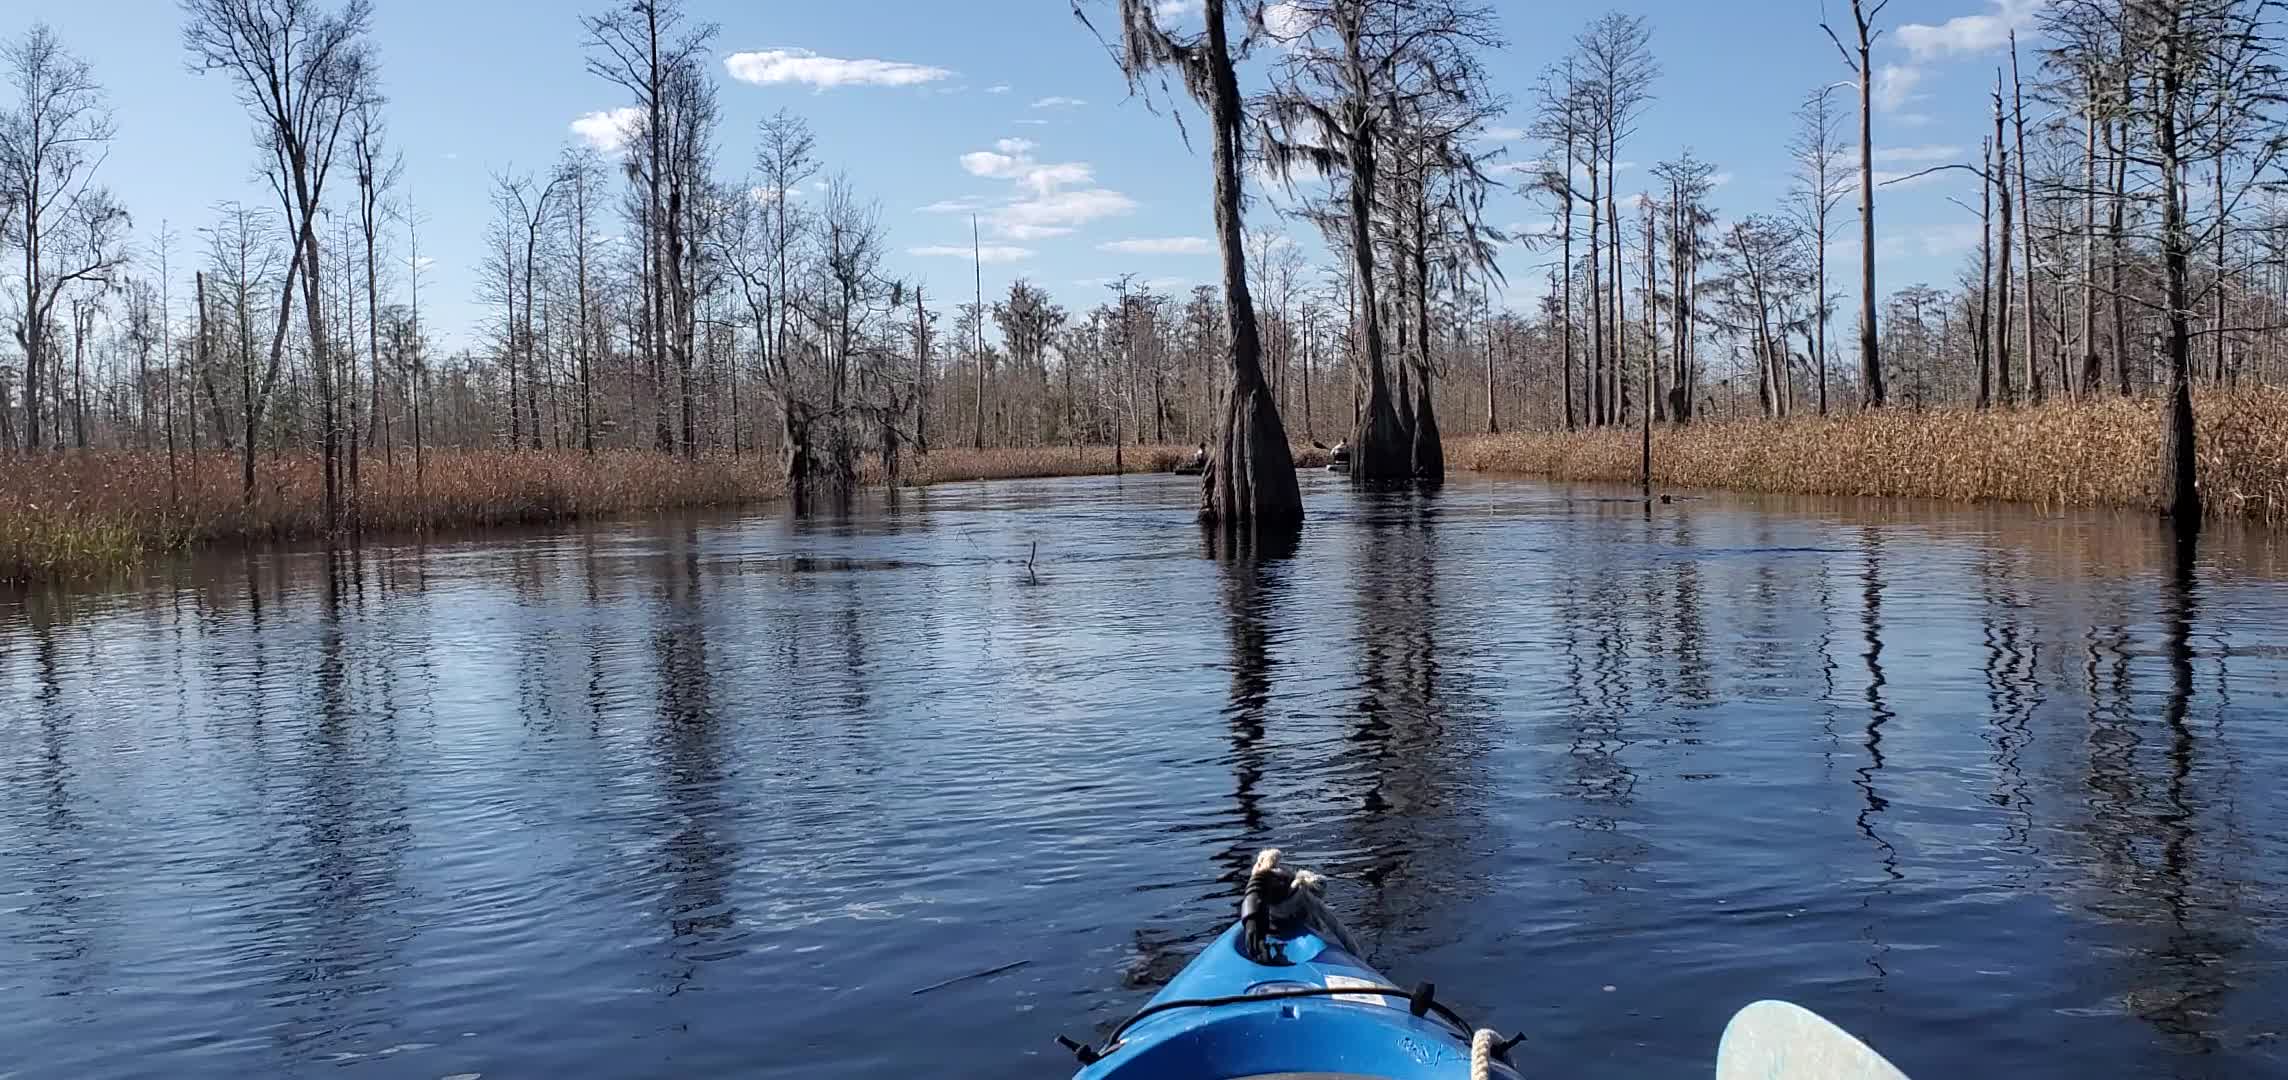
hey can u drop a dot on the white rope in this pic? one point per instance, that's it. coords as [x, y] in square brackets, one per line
[1482, 1054]
[1266, 859]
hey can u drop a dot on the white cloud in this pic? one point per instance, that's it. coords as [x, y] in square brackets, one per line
[1505, 134]
[1912, 119]
[1019, 166]
[997, 88]
[1059, 210]
[1158, 245]
[1036, 123]
[1719, 179]
[1286, 22]
[1055, 102]
[989, 164]
[1051, 199]
[774, 66]
[609, 130]
[1967, 34]
[1911, 155]
[967, 204]
[1177, 9]
[992, 253]
[765, 196]
[1895, 85]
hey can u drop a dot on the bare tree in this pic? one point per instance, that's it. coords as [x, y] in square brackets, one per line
[300, 70]
[1863, 16]
[67, 228]
[1983, 325]
[582, 173]
[1689, 180]
[242, 250]
[1616, 57]
[1999, 180]
[527, 207]
[785, 159]
[377, 173]
[1559, 122]
[1820, 183]
[2025, 225]
[633, 47]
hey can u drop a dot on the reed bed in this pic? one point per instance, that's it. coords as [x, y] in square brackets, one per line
[2070, 454]
[953, 464]
[66, 514]
[81, 514]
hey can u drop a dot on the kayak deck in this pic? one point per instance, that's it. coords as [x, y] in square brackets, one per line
[1318, 1015]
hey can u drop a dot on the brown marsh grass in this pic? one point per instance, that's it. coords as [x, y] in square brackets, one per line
[95, 512]
[2075, 454]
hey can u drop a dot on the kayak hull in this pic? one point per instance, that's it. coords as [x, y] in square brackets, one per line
[1350, 1035]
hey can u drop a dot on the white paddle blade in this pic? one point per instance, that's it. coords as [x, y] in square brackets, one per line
[1775, 1040]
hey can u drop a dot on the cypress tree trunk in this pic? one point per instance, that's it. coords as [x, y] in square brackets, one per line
[1428, 452]
[1380, 453]
[2180, 496]
[1250, 479]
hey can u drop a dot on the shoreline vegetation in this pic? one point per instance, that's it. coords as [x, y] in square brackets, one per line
[2102, 453]
[85, 514]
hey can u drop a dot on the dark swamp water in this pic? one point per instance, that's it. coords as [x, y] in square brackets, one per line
[1999, 790]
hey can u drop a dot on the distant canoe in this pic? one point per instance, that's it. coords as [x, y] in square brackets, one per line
[1190, 469]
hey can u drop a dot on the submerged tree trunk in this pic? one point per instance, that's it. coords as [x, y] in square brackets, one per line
[2090, 371]
[1493, 412]
[2180, 495]
[1380, 453]
[1429, 452]
[1250, 479]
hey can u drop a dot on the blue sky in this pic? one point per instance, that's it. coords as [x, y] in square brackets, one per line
[1008, 107]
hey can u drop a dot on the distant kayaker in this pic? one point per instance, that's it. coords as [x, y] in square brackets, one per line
[1200, 460]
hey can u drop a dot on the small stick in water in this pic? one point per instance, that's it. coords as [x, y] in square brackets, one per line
[1030, 575]
[987, 973]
